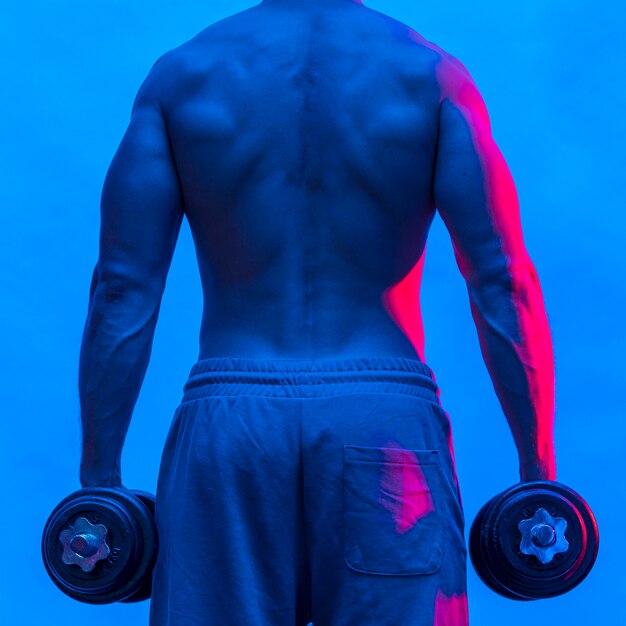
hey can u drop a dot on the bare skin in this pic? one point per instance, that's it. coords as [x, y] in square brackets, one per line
[309, 144]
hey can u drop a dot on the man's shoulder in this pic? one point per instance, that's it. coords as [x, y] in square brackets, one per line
[170, 74]
[437, 61]
[447, 67]
[173, 69]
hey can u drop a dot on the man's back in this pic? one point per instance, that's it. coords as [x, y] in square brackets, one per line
[304, 136]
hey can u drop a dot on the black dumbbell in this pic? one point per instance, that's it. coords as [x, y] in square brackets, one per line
[99, 545]
[537, 539]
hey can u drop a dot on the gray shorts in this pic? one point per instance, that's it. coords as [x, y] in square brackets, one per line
[297, 491]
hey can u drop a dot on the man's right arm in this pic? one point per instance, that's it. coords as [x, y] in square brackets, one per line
[477, 200]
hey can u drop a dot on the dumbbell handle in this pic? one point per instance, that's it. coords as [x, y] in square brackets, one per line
[542, 535]
[85, 544]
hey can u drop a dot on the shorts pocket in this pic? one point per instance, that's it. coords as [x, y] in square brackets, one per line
[390, 520]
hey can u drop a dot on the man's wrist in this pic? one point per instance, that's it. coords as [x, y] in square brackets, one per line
[538, 470]
[98, 477]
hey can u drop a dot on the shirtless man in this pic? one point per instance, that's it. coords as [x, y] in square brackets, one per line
[309, 474]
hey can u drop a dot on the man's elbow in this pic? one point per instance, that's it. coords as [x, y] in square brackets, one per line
[499, 272]
[495, 286]
[127, 293]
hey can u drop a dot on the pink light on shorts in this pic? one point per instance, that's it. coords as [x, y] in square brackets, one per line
[404, 491]
[452, 610]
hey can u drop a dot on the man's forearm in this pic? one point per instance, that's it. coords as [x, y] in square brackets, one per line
[114, 357]
[515, 340]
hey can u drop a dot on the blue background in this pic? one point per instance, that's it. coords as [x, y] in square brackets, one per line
[553, 80]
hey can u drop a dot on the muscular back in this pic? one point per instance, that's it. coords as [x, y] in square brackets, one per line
[304, 138]
[308, 143]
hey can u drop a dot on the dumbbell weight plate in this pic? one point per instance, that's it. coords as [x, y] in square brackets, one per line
[130, 538]
[145, 591]
[482, 565]
[496, 541]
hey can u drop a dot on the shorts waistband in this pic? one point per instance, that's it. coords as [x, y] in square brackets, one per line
[309, 377]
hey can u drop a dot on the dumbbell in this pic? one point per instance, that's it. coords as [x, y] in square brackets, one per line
[537, 539]
[99, 545]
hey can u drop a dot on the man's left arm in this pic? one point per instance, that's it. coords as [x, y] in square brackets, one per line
[141, 214]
